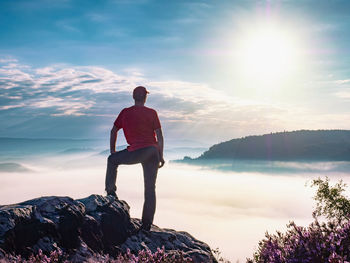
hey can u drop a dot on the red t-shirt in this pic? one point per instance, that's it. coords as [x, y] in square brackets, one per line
[139, 124]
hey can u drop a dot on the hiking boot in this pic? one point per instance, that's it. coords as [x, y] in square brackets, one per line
[112, 194]
[146, 226]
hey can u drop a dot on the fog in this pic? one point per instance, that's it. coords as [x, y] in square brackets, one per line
[227, 208]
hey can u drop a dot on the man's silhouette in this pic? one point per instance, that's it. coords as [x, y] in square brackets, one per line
[143, 133]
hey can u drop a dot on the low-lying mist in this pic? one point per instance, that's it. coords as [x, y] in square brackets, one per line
[271, 167]
[229, 207]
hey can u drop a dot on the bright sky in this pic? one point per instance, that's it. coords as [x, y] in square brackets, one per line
[216, 70]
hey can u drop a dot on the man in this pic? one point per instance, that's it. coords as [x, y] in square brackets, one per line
[143, 133]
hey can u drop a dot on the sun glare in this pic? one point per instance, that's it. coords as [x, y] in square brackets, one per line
[266, 53]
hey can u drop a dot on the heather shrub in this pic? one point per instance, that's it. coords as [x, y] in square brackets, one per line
[327, 241]
[147, 256]
[143, 256]
[56, 256]
[319, 242]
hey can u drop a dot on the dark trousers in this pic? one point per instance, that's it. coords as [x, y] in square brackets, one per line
[149, 158]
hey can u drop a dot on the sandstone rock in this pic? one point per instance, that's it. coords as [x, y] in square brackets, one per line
[172, 241]
[83, 227]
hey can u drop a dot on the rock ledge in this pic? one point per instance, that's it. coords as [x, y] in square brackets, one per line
[83, 227]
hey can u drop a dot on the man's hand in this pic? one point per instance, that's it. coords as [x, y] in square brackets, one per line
[113, 151]
[161, 162]
[160, 140]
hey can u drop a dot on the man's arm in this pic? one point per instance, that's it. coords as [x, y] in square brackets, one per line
[113, 139]
[160, 140]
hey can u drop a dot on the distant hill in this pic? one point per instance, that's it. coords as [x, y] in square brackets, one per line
[318, 145]
[77, 150]
[13, 167]
[28, 146]
[118, 148]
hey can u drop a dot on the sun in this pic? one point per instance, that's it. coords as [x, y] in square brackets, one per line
[266, 53]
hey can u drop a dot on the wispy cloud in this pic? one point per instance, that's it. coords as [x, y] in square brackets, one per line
[81, 88]
[67, 25]
[68, 90]
[342, 81]
[7, 107]
[343, 94]
[8, 60]
[98, 17]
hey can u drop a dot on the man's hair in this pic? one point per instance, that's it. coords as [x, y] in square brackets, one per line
[139, 94]
[139, 97]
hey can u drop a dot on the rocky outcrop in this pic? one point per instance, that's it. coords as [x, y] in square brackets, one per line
[83, 227]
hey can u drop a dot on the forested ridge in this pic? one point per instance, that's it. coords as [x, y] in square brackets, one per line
[332, 145]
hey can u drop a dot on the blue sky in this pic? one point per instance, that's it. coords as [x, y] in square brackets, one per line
[68, 67]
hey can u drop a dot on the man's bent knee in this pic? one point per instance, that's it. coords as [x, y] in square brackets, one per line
[112, 160]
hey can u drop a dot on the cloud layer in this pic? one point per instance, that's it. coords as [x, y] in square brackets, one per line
[75, 101]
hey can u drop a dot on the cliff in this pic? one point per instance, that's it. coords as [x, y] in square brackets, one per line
[84, 227]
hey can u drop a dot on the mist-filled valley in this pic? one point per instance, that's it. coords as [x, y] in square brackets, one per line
[229, 205]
